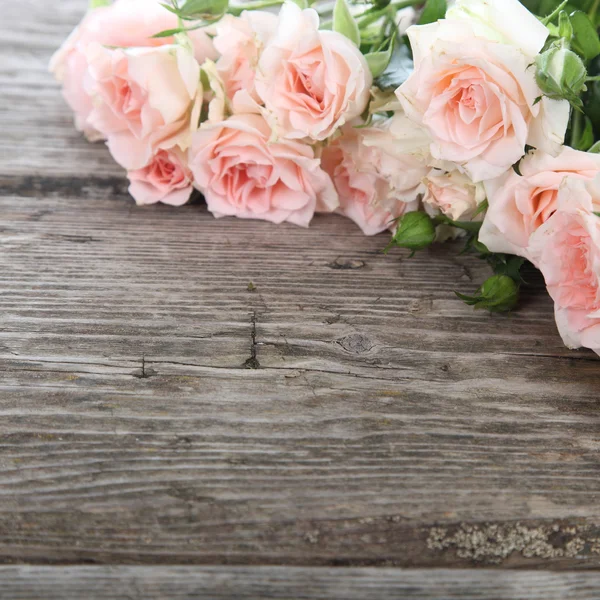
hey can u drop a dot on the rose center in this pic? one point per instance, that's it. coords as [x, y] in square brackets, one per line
[303, 84]
[467, 98]
[543, 205]
[127, 99]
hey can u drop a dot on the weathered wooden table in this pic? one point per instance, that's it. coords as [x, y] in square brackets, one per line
[349, 429]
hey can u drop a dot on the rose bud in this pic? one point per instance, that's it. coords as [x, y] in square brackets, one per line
[499, 293]
[416, 231]
[561, 74]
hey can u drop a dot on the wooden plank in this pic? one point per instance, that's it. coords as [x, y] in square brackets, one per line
[381, 408]
[349, 411]
[285, 583]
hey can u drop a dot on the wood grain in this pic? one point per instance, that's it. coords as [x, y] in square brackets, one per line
[284, 583]
[348, 411]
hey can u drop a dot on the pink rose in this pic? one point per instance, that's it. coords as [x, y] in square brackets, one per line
[520, 204]
[374, 187]
[566, 248]
[240, 41]
[241, 173]
[452, 194]
[166, 178]
[477, 98]
[145, 99]
[311, 81]
[506, 21]
[124, 24]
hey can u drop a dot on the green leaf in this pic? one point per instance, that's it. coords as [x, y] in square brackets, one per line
[398, 70]
[585, 37]
[586, 137]
[481, 208]
[199, 10]
[469, 226]
[592, 102]
[344, 23]
[532, 6]
[595, 149]
[434, 11]
[506, 264]
[196, 6]
[169, 32]
[98, 3]
[479, 247]
[301, 3]
[378, 61]
[170, 8]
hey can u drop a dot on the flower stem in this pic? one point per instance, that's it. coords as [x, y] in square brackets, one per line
[554, 13]
[238, 10]
[593, 11]
[594, 78]
[373, 14]
[576, 128]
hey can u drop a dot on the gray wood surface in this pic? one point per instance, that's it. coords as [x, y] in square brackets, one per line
[285, 583]
[349, 411]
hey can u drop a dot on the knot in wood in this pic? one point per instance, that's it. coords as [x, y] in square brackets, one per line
[356, 343]
[344, 264]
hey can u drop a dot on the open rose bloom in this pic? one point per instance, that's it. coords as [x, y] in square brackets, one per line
[566, 248]
[478, 98]
[520, 203]
[120, 25]
[283, 114]
[311, 81]
[375, 187]
[241, 174]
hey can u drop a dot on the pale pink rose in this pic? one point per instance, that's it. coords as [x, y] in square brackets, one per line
[166, 178]
[239, 41]
[124, 24]
[452, 194]
[69, 66]
[520, 204]
[145, 99]
[477, 99]
[566, 248]
[505, 21]
[374, 186]
[241, 173]
[311, 81]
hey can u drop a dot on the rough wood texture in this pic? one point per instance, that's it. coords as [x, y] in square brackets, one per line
[349, 411]
[285, 583]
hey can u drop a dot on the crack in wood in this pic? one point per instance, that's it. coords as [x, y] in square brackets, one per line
[252, 362]
[144, 373]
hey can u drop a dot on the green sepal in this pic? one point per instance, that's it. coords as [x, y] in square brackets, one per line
[378, 61]
[434, 11]
[416, 231]
[499, 293]
[344, 23]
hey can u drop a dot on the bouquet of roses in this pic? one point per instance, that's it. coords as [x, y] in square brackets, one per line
[475, 119]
